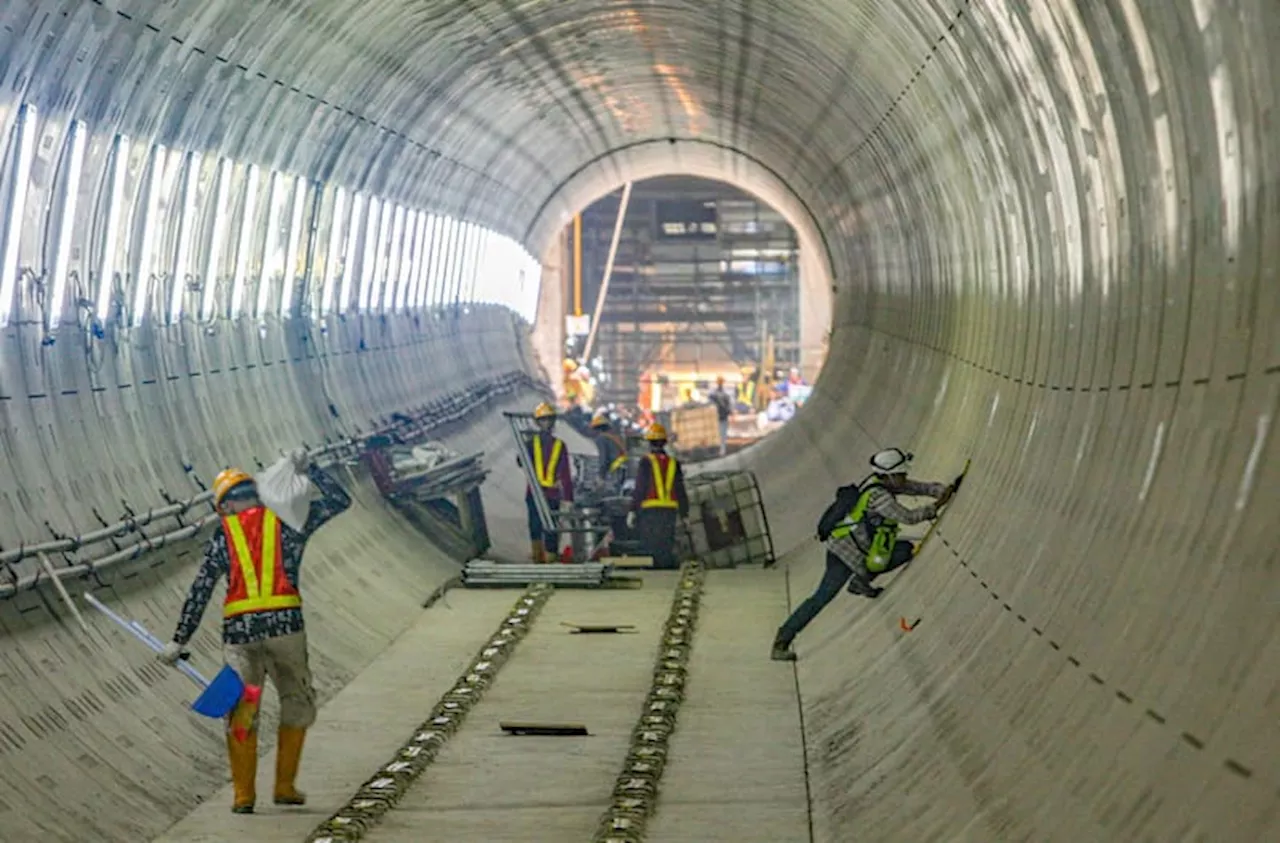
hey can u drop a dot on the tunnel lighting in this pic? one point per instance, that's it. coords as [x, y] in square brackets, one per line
[446, 259]
[273, 259]
[150, 227]
[391, 285]
[115, 208]
[186, 232]
[246, 238]
[349, 255]
[10, 272]
[334, 246]
[420, 261]
[433, 258]
[70, 195]
[381, 246]
[217, 238]
[367, 262]
[412, 251]
[408, 254]
[295, 243]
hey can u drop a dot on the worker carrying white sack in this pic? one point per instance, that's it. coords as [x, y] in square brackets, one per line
[259, 552]
[860, 531]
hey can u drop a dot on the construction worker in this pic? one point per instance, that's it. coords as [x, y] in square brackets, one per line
[262, 626]
[555, 481]
[611, 449]
[724, 409]
[658, 497]
[860, 531]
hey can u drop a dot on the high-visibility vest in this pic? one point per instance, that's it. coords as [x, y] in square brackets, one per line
[619, 461]
[661, 490]
[256, 581]
[546, 474]
[883, 531]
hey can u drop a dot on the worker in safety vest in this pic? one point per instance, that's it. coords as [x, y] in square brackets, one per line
[658, 498]
[611, 449]
[860, 531]
[262, 626]
[550, 460]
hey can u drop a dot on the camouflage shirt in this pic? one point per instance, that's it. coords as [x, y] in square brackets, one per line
[256, 626]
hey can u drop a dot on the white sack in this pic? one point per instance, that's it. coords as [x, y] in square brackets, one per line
[285, 492]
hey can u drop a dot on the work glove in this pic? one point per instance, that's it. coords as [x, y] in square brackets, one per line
[631, 520]
[945, 497]
[300, 460]
[172, 652]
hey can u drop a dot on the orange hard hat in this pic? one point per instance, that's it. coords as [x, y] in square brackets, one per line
[227, 480]
[544, 411]
[656, 433]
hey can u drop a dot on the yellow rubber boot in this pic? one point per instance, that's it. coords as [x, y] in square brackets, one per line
[243, 755]
[288, 756]
[539, 553]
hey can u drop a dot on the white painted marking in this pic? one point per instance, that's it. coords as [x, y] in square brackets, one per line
[994, 404]
[1251, 465]
[1156, 448]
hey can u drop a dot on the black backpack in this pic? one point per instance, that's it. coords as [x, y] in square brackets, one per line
[846, 497]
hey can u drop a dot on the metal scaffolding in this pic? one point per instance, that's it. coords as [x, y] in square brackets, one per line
[702, 270]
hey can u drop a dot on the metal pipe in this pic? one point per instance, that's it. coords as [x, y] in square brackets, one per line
[577, 264]
[608, 271]
[62, 591]
[145, 543]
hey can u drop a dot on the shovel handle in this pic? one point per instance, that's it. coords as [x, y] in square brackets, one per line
[140, 632]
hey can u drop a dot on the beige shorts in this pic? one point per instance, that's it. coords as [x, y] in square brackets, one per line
[283, 659]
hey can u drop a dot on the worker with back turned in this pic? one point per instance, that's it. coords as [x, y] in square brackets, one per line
[860, 531]
[262, 626]
[550, 460]
[611, 451]
[658, 499]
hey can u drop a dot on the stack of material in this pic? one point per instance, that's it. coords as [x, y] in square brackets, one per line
[483, 572]
[434, 472]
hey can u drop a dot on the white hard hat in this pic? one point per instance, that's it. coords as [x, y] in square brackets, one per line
[890, 459]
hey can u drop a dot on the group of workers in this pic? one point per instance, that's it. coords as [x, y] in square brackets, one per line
[658, 497]
[260, 556]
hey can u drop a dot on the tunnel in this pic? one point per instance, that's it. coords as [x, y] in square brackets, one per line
[1049, 240]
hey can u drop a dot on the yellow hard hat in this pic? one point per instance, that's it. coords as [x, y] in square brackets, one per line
[227, 480]
[599, 420]
[656, 433]
[544, 411]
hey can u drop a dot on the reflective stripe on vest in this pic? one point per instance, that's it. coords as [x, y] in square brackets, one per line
[546, 474]
[660, 491]
[256, 583]
[619, 461]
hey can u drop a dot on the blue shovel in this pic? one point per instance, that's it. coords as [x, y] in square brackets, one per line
[219, 697]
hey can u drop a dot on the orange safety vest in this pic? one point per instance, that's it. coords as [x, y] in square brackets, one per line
[256, 582]
[662, 488]
[546, 474]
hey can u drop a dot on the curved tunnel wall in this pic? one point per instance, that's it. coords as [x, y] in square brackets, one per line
[1052, 233]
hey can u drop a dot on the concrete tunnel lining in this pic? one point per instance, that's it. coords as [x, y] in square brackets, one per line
[1051, 230]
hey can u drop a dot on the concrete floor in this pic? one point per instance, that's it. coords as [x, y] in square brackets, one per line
[362, 726]
[736, 769]
[739, 724]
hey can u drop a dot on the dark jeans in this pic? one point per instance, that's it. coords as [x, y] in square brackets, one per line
[656, 530]
[833, 579]
[549, 540]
